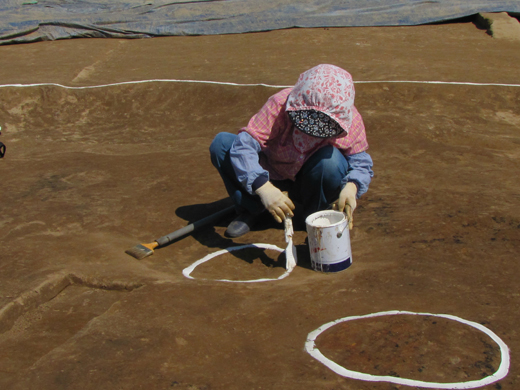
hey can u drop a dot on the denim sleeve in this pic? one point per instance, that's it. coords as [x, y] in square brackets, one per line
[360, 172]
[245, 161]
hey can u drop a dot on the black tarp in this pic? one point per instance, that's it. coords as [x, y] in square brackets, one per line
[31, 20]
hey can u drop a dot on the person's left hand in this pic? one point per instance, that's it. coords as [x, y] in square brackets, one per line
[347, 202]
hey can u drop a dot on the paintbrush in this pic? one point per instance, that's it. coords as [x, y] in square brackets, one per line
[290, 251]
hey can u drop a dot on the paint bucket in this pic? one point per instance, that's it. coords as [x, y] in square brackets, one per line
[329, 241]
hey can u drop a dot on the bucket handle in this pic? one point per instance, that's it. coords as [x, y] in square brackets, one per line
[340, 233]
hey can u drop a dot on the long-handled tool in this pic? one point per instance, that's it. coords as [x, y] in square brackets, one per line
[141, 251]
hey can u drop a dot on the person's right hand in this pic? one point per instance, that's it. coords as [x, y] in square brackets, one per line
[275, 201]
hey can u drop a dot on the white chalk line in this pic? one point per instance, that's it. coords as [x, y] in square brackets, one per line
[499, 374]
[248, 85]
[187, 271]
[143, 82]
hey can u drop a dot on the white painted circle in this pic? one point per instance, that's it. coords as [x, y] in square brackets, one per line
[499, 374]
[187, 271]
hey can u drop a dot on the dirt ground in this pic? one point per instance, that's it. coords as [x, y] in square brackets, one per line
[89, 173]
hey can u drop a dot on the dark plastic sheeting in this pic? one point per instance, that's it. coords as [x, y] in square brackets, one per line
[31, 20]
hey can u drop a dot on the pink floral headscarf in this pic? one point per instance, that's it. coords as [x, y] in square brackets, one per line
[324, 89]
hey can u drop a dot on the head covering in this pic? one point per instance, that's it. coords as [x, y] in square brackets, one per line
[321, 102]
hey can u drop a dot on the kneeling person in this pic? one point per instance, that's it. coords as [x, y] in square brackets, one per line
[308, 140]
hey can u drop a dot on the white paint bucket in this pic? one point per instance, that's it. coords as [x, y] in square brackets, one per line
[329, 241]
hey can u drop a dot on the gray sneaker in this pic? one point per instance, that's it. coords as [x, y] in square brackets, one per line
[241, 225]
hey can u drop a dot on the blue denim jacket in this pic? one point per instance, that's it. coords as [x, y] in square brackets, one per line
[249, 172]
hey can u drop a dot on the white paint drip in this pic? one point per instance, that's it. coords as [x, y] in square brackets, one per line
[249, 85]
[187, 271]
[502, 371]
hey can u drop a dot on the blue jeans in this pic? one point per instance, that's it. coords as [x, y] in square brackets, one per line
[317, 184]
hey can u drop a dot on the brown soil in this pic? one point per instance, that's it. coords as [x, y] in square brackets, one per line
[422, 348]
[91, 173]
[243, 265]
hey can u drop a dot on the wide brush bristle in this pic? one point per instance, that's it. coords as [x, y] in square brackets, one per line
[290, 256]
[139, 252]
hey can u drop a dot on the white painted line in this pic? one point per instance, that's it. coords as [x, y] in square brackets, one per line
[439, 83]
[499, 374]
[187, 271]
[248, 85]
[142, 82]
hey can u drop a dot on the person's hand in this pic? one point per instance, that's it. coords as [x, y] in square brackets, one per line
[347, 201]
[275, 201]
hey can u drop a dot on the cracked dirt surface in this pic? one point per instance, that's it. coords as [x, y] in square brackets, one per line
[90, 173]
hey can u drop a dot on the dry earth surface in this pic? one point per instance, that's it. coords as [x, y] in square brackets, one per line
[89, 173]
